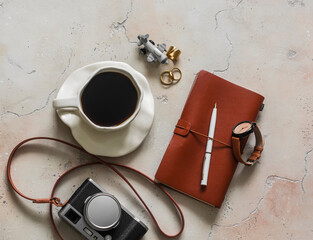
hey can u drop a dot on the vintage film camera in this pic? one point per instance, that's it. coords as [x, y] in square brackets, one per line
[98, 215]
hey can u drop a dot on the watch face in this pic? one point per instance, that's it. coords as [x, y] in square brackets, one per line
[243, 129]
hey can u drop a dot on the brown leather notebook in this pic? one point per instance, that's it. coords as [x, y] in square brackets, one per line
[181, 166]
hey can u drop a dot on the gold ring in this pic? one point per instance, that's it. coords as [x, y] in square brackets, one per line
[171, 76]
[169, 80]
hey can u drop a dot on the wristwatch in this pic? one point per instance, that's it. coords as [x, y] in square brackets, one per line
[242, 130]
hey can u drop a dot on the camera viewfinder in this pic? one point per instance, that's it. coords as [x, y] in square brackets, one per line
[72, 216]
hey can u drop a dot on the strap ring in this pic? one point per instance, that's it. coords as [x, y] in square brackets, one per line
[57, 202]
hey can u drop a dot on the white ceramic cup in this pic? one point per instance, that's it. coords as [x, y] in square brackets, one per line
[74, 103]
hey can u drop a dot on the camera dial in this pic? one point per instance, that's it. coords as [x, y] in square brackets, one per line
[102, 211]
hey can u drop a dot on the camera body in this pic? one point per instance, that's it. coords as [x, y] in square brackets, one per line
[98, 215]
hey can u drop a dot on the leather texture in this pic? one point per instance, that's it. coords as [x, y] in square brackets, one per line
[255, 155]
[182, 128]
[181, 166]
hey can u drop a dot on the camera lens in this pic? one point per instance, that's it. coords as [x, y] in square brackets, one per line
[102, 211]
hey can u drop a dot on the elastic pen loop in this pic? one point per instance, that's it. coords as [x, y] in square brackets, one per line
[206, 136]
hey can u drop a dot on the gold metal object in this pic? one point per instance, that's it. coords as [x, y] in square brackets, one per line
[168, 77]
[173, 53]
[166, 80]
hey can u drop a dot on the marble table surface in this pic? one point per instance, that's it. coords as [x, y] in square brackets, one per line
[265, 46]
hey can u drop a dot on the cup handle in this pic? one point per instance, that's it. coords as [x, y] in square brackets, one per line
[66, 103]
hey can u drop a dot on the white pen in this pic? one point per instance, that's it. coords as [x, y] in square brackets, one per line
[208, 151]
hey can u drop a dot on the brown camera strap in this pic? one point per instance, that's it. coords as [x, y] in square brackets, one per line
[57, 202]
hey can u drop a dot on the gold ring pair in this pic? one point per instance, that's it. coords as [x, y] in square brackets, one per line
[168, 77]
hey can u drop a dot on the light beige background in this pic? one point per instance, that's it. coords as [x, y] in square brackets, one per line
[265, 46]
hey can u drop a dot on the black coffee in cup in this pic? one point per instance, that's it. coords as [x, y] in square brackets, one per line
[109, 99]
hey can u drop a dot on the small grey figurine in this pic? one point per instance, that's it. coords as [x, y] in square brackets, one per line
[156, 53]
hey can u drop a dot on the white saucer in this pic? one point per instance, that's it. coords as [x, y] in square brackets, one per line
[111, 144]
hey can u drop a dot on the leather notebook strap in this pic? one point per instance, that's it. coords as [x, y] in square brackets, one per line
[183, 128]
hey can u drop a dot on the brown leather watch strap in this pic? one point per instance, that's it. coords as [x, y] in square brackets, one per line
[256, 154]
[236, 151]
